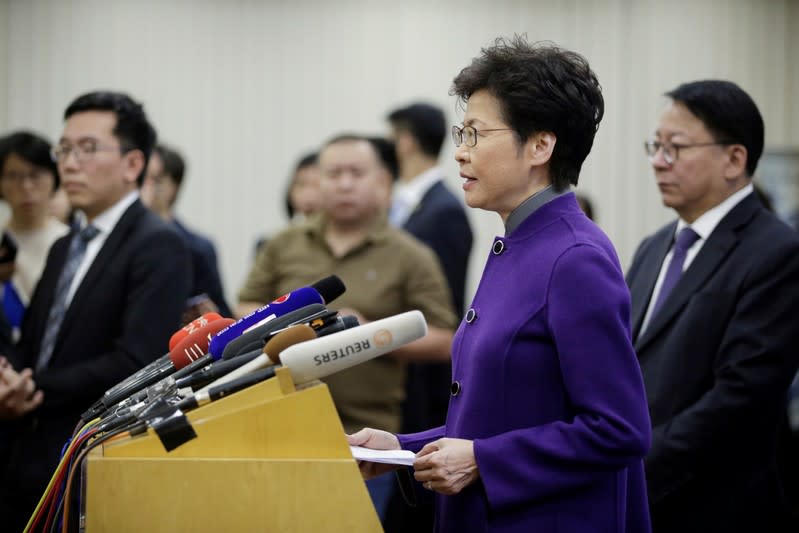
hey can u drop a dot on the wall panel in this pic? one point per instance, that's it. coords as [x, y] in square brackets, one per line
[243, 87]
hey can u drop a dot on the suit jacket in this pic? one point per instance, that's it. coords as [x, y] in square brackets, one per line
[717, 360]
[206, 273]
[547, 385]
[439, 221]
[120, 318]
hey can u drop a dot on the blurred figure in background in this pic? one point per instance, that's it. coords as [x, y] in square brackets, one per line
[303, 196]
[586, 205]
[385, 270]
[28, 180]
[61, 208]
[165, 174]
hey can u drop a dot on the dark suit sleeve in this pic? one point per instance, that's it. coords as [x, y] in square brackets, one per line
[754, 364]
[450, 237]
[445, 228]
[207, 277]
[156, 289]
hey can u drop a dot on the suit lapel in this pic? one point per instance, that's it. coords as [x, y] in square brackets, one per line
[714, 252]
[100, 264]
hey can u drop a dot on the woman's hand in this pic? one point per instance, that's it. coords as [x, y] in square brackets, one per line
[446, 465]
[377, 440]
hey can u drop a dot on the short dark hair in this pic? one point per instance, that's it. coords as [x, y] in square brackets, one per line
[384, 149]
[728, 112]
[308, 160]
[425, 122]
[387, 153]
[31, 147]
[174, 164]
[133, 129]
[540, 87]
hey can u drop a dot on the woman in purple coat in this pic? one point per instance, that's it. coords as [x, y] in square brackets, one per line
[547, 423]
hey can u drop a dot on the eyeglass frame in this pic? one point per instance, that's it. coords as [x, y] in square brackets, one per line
[456, 133]
[82, 154]
[656, 145]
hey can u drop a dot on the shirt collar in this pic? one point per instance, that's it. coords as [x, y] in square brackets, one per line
[705, 224]
[315, 227]
[412, 192]
[106, 220]
[531, 205]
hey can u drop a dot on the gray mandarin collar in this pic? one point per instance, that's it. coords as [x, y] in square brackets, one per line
[531, 205]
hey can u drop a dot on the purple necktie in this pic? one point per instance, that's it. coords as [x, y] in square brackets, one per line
[685, 239]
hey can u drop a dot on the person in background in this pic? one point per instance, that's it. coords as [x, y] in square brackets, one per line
[61, 209]
[385, 270]
[586, 205]
[28, 181]
[109, 299]
[424, 206]
[715, 296]
[303, 197]
[165, 176]
[547, 424]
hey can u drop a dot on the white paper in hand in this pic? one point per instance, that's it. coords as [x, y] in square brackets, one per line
[393, 457]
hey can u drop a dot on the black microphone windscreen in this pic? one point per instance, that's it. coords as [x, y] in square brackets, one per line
[330, 288]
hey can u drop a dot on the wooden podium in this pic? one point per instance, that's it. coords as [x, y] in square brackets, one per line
[269, 458]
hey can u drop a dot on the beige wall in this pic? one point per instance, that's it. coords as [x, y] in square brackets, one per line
[243, 86]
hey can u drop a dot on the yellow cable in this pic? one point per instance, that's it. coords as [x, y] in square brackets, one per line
[61, 464]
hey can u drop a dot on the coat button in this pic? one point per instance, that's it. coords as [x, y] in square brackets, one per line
[471, 316]
[455, 389]
[499, 247]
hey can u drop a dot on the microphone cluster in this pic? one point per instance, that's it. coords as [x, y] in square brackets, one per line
[214, 357]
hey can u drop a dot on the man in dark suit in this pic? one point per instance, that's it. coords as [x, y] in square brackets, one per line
[121, 297]
[714, 319]
[165, 173]
[423, 206]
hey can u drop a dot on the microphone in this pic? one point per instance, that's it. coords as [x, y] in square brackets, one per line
[217, 369]
[321, 292]
[176, 338]
[266, 359]
[327, 355]
[320, 357]
[271, 353]
[255, 337]
[199, 374]
[189, 328]
[186, 351]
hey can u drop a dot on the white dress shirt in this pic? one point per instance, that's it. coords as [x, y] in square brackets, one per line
[703, 226]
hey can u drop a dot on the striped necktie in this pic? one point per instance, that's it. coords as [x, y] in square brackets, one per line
[77, 249]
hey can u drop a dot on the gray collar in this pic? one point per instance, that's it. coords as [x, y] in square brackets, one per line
[529, 206]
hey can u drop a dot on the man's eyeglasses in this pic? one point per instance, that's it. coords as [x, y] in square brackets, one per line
[468, 135]
[83, 151]
[671, 151]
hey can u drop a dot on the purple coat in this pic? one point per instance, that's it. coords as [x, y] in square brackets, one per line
[547, 385]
